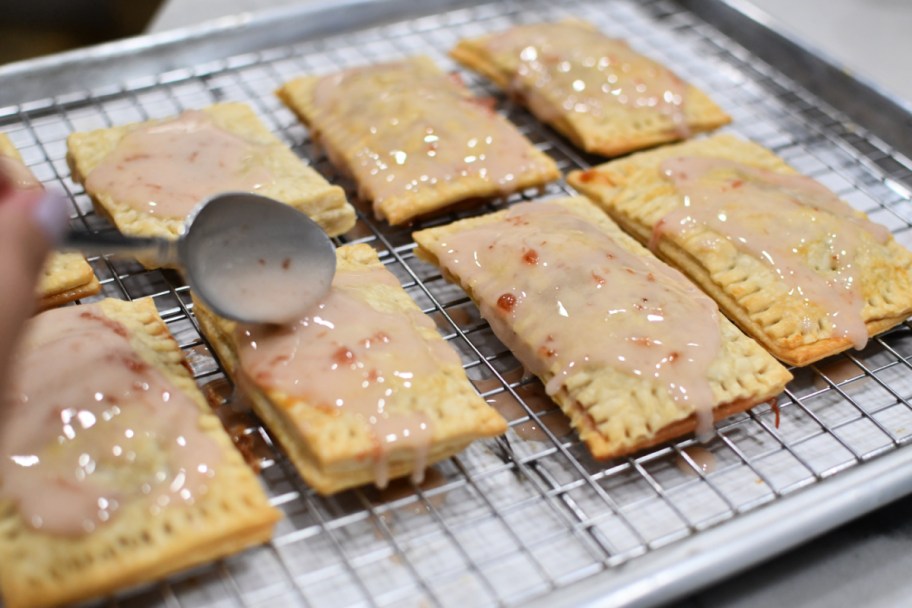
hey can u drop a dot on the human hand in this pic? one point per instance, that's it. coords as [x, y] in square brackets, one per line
[31, 220]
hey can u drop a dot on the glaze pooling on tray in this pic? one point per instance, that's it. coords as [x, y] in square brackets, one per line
[414, 138]
[585, 302]
[166, 169]
[778, 218]
[351, 358]
[79, 442]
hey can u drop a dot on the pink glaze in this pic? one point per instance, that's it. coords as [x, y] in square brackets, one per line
[775, 217]
[417, 130]
[562, 68]
[565, 298]
[165, 169]
[89, 427]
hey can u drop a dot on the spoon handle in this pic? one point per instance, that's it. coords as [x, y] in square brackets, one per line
[163, 251]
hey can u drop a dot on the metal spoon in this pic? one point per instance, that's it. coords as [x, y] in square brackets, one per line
[247, 257]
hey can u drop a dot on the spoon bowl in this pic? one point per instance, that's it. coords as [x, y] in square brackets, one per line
[250, 258]
[247, 257]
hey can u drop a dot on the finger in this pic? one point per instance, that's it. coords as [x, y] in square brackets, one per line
[30, 221]
[6, 185]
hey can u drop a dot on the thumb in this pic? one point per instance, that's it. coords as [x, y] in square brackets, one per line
[30, 222]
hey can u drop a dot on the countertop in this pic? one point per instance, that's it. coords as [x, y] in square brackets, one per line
[865, 563]
[869, 37]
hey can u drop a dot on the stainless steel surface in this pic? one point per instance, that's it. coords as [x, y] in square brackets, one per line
[859, 100]
[100, 67]
[95, 244]
[534, 518]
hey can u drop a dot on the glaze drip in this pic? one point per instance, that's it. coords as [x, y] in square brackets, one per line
[566, 299]
[802, 231]
[165, 169]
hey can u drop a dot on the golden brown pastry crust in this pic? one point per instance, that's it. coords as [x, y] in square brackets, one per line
[636, 195]
[59, 298]
[344, 141]
[296, 183]
[38, 569]
[616, 413]
[619, 131]
[334, 451]
[66, 276]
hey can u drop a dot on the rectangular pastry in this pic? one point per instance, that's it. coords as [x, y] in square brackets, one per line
[147, 177]
[601, 94]
[795, 267]
[414, 138]
[66, 276]
[362, 390]
[113, 469]
[630, 350]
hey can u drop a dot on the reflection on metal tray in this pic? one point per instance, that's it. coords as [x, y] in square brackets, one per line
[531, 518]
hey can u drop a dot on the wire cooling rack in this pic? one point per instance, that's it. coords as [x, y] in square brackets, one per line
[522, 517]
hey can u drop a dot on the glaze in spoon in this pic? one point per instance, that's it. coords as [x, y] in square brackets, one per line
[247, 257]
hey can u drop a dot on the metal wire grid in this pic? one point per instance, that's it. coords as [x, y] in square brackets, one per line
[515, 518]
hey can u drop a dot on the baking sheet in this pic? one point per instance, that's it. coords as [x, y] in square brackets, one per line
[532, 517]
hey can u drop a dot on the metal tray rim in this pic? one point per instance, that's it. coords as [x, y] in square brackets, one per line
[763, 18]
[154, 53]
[665, 573]
[734, 545]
